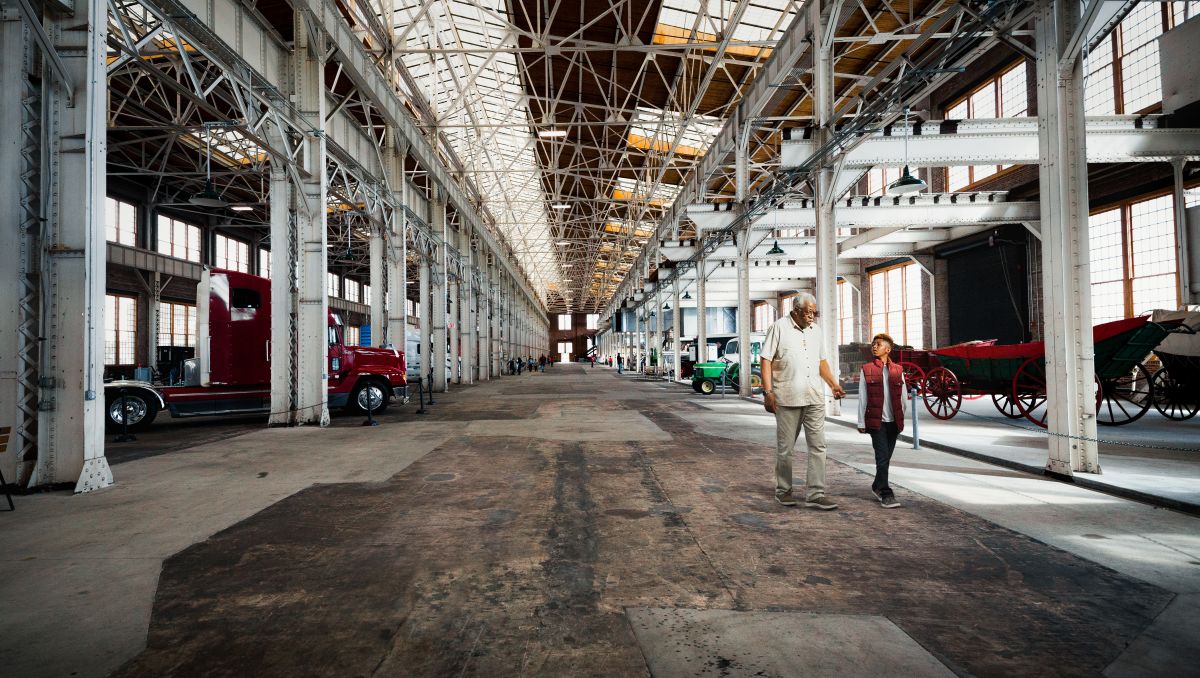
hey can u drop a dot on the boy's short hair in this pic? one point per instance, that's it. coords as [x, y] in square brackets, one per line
[885, 337]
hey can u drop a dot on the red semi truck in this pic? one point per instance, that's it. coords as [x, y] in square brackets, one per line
[231, 373]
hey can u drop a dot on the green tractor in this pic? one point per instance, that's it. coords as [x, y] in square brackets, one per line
[706, 377]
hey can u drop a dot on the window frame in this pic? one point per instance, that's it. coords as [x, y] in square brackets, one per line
[175, 247]
[995, 82]
[569, 322]
[116, 226]
[167, 312]
[901, 337]
[114, 333]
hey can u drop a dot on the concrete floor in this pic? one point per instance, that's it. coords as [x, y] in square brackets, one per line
[580, 523]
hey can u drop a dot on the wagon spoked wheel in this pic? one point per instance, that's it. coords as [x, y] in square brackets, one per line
[1125, 399]
[914, 376]
[943, 393]
[1173, 399]
[1007, 406]
[1029, 390]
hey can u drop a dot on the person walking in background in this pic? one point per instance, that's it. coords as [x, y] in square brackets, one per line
[881, 411]
[542, 363]
[620, 364]
[793, 367]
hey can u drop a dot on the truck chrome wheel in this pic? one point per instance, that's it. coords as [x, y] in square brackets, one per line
[138, 414]
[370, 396]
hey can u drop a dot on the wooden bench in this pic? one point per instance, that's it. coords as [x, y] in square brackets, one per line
[4, 432]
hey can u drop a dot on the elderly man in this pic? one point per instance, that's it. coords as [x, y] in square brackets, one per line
[793, 369]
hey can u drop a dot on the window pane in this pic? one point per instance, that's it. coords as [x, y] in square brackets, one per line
[1159, 291]
[1105, 238]
[1098, 93]
[1014, 97]
[1152, 234]
[958, 178]
[1108, 301]
[983, 103]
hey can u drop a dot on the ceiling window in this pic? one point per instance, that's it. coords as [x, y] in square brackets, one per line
[120, 330]
[662, 131]
[232, 254]
[350, 290]
[1122, 73]
[178, 239]
[120, 222]
[264, 263]
[1003, 96]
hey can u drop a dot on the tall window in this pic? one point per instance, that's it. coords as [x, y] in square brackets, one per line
[896, 304]
[764, 315]
[120, 329]
[264, 263]
[332, 285]
[352, 335]
[845, 313]
[593, 319]
[366, 294]
[414, 309]
[176, 324]
[880, 178]
[232, 254]
[564, 351]
[350, 290]
[1123, 74]
[178, 239]
[564, 321]
[1003, 96]
[1133, 259]
[120, 222]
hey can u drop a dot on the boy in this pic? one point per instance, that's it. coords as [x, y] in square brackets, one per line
[881, 410]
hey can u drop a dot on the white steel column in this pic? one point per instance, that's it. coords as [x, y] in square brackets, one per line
[826, 225]
[284, 253]
[676, 329]
[1182, 260]
[743, 311]
[20, 223]
[467, 295]
[378, 312]
[70, 437]
[425, 292]
[437, 356]
[1071, 403]
[312, 346]
[396, 263]
[701, 310]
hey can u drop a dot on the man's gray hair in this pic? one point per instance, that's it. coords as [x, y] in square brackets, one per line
[801, 299]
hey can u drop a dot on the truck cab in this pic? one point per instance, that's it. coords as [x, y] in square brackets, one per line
[231, 373]
[732, 348]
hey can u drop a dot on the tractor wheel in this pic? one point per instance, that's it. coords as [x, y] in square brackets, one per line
[707, 386]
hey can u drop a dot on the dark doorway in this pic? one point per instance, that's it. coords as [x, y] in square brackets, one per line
[988, 280]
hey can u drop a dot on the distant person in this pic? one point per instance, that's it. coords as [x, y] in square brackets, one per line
[593, 359]
[620, 364]
[881, 411]
[520, 364]
[542, 363]
[795, 372]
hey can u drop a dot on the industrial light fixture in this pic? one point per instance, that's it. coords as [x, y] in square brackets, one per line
[563, 242]
[207, 197]
[242, 208]
[560, 206]
[775, 250]
[552, 133]
[907, 183]
[686, 295]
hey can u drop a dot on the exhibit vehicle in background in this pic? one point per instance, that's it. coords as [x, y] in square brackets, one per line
[731, 350]
[231, 373]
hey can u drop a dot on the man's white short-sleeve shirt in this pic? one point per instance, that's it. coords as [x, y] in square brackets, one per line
[795, 356]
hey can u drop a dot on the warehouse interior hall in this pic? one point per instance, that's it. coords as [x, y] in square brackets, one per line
[600, 338]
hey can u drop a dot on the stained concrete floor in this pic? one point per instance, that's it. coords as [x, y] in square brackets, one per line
[578, 523]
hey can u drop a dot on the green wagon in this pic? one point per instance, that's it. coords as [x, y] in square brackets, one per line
[1015, 375]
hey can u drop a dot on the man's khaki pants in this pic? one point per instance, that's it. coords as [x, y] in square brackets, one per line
[788, 421]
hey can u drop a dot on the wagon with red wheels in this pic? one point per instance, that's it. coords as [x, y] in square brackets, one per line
[1015, 375]
[917, 363]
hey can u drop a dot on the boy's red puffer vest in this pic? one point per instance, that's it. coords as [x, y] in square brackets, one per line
[873, 373]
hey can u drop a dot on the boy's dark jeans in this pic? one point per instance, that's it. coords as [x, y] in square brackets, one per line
[883, 439]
